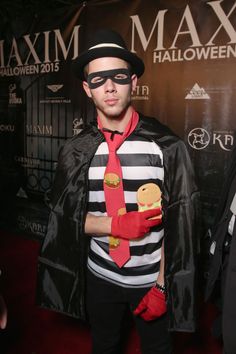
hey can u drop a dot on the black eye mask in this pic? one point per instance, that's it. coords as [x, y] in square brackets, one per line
[119, 76]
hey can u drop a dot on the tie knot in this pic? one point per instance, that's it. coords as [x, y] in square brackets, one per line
[113, 132]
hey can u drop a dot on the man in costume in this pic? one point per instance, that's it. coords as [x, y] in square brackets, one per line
[221, 282]
[111, 244]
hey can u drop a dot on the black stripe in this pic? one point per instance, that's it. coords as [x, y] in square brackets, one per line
[144, 159]
[134, 137]
[96, 185]
[138, 286]
[145, 249]
[101, 207]
[95, 206]
[134, 271]
[134, 250]
[99, 161]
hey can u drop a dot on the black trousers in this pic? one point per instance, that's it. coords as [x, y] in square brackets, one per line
[107, 305]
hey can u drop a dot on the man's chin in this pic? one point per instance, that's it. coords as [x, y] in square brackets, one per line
[115, 113]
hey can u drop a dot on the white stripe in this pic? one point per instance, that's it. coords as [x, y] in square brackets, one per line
[98, 250]
[140, 147]
[102, 149]
[141, 172]
[133, 280]
[130, 172]
[96, 196]
[101, 45]
[97, 213]
[130, 197]
[151, 237]
[96, 172]
[137, 261]
[133, 147]
[99, 197]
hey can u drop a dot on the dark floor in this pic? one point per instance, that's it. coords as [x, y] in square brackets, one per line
[31, 330]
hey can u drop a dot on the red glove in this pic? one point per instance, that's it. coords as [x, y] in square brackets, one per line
[152, 305]
[134, 224]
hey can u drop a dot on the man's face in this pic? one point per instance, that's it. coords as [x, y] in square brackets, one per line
[110, 85]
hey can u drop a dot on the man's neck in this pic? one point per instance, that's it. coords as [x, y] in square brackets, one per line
[116, 123]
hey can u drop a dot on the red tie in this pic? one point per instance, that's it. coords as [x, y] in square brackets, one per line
[113, 187]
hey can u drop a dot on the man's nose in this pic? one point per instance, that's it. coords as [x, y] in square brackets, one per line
[110, 85]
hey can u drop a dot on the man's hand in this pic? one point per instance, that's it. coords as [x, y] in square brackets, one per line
[3, 313]
[152, 305]
[134, 224]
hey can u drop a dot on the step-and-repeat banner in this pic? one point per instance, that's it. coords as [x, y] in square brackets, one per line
[189, 50]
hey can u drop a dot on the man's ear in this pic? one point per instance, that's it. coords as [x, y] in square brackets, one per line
[134, 80]
[87, 89]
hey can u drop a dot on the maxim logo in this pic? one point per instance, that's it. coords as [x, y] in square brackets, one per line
[197, 93]
[39, 129]
[187, 30]
[43, 58]
[27, 161]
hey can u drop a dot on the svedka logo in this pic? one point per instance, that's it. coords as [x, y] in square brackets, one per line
[197, 93]
[187, 29]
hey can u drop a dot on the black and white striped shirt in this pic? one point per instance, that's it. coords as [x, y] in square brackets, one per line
[141, 162]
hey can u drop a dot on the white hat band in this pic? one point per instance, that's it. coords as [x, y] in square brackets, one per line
[101, 45]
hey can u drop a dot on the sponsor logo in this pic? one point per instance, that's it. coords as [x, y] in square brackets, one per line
[7, 128]
[39, 129]
[54, 88]
[22, 193]
[27, 161]
[45, 58]
[190, 32]
[141, 93]
[27, 225]
[77, 126]
[38, 59]
[13, 99]
[199, 138]
[197, 93]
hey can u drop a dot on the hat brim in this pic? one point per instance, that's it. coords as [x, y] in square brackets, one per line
[135, 62]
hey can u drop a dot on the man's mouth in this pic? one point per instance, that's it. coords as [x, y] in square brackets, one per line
[111, 101]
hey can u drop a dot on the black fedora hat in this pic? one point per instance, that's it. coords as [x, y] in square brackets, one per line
[107, 43]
